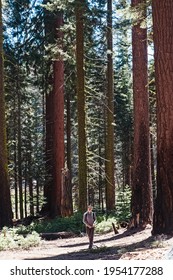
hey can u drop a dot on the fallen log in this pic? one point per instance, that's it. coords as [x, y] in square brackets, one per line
[56, 235]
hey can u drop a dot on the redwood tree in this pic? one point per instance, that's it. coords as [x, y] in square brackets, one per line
[58, 123]
[5, 203]
[163, 55]
[141, 186]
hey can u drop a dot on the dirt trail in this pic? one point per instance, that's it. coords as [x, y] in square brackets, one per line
[126, 244]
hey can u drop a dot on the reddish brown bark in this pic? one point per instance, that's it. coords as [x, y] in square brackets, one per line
[141, 186]
[163, 54]
[58, 125]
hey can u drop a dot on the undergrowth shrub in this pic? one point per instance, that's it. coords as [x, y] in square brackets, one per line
[105, 225]
[10, 239]
[123, 202]
[73, 223]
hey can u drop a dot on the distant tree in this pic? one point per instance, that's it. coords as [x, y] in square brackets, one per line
[23, 45]
[109, 149]
[5, 202]
[123, 99]
[141, 186]
[82, 171]
[163, 55]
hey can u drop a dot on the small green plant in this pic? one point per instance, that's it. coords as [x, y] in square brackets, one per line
[13, 240]
[105, 225]
[123, 201]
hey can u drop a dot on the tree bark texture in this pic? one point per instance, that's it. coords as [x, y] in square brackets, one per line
[58, 124]
[141, 186]
[163, 54]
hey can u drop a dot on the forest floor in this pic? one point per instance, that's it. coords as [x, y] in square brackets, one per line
[127, 245]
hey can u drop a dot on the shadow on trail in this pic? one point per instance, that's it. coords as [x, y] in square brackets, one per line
[104, 252]
[114, 237]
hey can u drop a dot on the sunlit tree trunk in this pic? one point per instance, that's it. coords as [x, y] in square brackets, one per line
[58, 125]
[163, 55]
[141, 186]
[5, 202]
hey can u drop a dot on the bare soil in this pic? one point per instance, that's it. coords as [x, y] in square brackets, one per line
[127, 244]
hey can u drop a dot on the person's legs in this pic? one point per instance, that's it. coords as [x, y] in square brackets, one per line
[90, 232]
[91, 237]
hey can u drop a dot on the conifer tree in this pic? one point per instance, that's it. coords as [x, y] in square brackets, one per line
[5, 202]
[141, 186]
[79, 11]
[109, 149]
[163, 57]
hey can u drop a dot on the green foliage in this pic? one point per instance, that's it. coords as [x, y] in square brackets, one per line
[73, 223]
[26, 87]
[123, 212]
[10, 239]
[105, 225]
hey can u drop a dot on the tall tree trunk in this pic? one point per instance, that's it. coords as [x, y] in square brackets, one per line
[15, 162]
[81, 105]
[141, 186]
[69, 167]
[58, 126]
[25, 188]
[19, 144]
[30, 180]
[109, 163]
[5, 202]
[163, 55]
[48, 153]
[46, 209]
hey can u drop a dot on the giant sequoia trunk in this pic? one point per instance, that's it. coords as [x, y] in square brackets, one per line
[5, 203]
[58, 126]
[141, 186]
[163, 54]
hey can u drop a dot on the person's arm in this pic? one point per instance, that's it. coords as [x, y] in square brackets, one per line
[94, 217]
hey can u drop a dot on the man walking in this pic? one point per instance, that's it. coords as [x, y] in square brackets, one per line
[89, 219]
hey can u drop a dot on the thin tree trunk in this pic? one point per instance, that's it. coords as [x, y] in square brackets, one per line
[19, 144]
[15, 165]
[69, 167]
[25, 190]
[81, 105]
[37, 197]
[109, 164]
[5, 202]
[49, 182]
